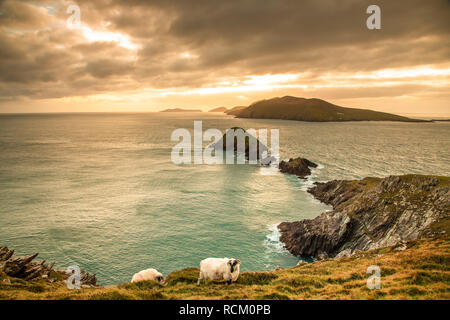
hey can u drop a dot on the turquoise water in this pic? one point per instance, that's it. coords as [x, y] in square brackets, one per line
[100, 190]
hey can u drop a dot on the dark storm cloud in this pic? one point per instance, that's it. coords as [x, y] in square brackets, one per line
[18, 14]
[40, 57]
[104, 68]
[308, 34]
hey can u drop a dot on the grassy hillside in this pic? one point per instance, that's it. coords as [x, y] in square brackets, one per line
[292, 108]
[422, 271]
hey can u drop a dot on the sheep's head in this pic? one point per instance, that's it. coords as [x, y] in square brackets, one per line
[160, 279]
[233, 263]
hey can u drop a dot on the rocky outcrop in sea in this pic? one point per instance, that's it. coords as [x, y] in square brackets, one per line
[251, 147]
[371, 213]
[301, 167]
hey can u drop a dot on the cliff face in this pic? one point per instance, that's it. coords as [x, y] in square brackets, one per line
[371, 213]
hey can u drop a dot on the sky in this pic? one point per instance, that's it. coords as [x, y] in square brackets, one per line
[145, 56]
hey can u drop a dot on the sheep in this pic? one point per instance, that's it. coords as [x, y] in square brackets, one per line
[218, 269]
[149, 274]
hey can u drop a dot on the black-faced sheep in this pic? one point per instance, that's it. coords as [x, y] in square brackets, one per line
[149, 274]
[219, 269]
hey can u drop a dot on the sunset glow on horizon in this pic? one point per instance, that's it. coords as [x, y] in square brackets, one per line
[154, 56]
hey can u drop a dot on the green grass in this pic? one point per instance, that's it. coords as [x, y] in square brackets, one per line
[419, 272]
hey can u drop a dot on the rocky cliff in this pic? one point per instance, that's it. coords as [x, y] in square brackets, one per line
[370, 214]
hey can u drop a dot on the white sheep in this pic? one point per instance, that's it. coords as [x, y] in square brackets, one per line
[219, 269]
[149, 274]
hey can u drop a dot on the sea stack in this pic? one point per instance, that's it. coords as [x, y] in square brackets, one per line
[298, 166]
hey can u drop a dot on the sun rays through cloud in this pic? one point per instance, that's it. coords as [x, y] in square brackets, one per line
[156, 54]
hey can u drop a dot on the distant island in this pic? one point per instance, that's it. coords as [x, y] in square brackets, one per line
[219, 109]
[181, 110]
[235, 111]
[303, 109]
[316, 110]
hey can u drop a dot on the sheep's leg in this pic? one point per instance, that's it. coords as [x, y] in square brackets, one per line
[206, 280]
[229, 282]
[200, 277]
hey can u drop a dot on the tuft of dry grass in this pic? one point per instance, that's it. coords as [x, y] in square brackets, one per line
[422, 271]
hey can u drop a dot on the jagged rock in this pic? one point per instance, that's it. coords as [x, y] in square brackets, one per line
[88, 279]
[277, 268]
[401, 246]
[14, 266]
[5, 253]
[298, 166]
[370, 214]
[344, 254]
[322, 256]
[313, 237]
[27, 269]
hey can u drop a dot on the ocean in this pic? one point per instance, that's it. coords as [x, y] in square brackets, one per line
[99, 190]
